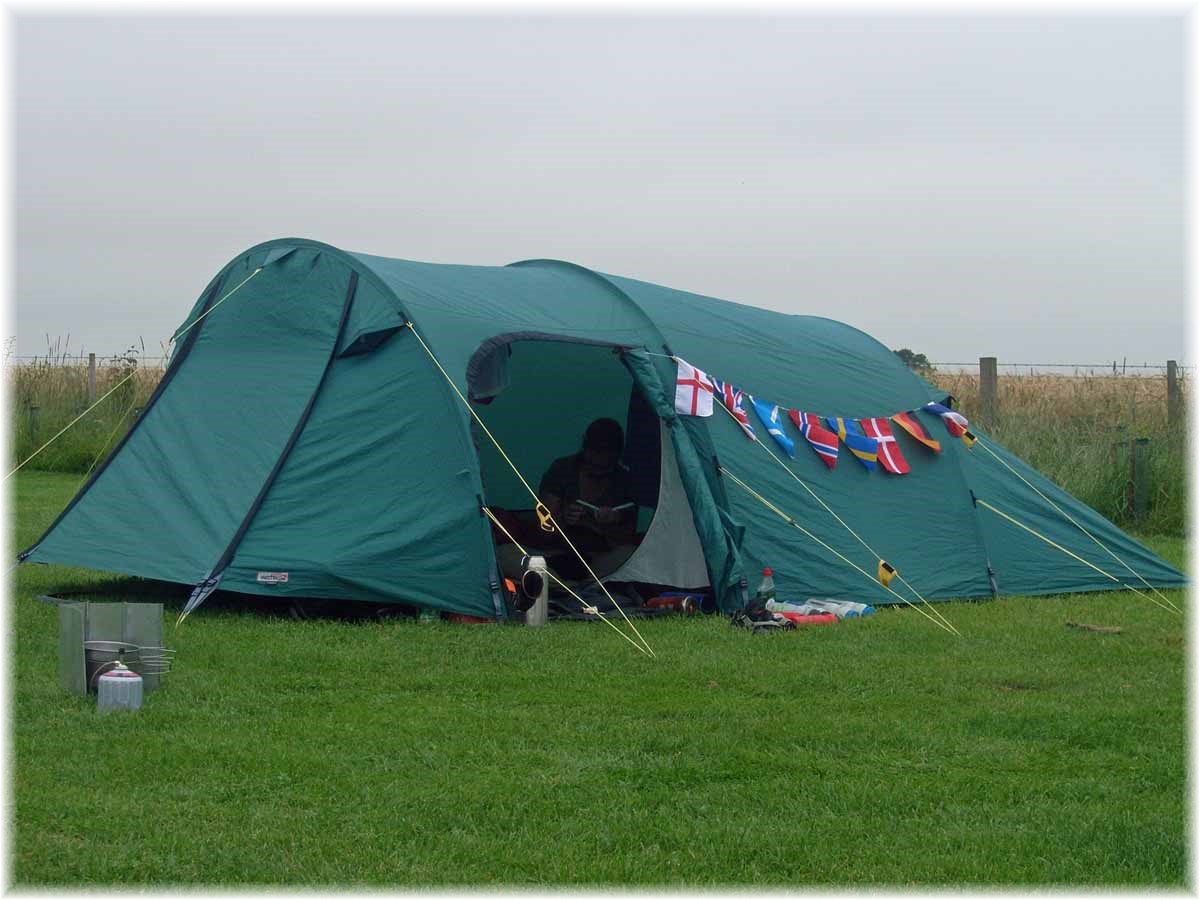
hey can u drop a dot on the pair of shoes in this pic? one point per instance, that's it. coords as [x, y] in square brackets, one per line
[760, 620]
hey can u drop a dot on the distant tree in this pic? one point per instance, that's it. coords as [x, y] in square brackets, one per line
[915, 361]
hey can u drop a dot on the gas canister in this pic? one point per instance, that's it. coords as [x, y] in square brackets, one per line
[119, 688]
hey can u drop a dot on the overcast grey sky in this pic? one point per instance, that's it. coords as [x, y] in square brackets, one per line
[962, 186]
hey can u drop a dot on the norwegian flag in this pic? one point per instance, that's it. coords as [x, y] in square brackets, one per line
[822, 440]
[732, 398]
[693, 391]
[956, 423]
[773, 422]
[890, 456]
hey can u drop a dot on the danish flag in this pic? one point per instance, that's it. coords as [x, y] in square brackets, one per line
[890, 456]
[823, 441]
[732, 398]
[693, 391]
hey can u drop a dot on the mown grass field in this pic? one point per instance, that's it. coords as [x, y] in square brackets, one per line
[877, 752]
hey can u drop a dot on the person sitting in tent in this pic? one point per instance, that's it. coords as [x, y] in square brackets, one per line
[590, 495]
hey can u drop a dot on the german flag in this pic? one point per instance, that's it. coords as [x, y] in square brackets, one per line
[910, 423]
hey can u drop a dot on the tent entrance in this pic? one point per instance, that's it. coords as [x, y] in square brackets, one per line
[538, 396]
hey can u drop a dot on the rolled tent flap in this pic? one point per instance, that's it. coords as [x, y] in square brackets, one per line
[720, 547]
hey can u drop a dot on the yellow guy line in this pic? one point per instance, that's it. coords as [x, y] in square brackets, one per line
[215, 305]
[829, 510]
[532, 493]
[69, 424]
[1000, 460]
[775, 509]
[112, 434]
[130, 375]
[587, 606]
[1042, 537]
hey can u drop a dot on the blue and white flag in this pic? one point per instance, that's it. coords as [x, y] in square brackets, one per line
[773, 422]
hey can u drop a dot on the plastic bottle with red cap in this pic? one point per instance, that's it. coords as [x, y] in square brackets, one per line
[766, 589]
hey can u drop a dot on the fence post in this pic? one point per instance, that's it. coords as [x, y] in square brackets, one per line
[1173, 395]
[1141, 477]
[91, 378]
[987, 389]
[33, 425]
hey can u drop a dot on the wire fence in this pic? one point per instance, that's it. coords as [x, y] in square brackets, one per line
[1109, 368]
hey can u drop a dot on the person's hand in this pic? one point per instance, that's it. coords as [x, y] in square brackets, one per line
[573, 514]
[606, 515]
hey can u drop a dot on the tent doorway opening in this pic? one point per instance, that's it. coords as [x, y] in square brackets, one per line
[538, 396]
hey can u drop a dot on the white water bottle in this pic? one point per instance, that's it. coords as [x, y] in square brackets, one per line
[782, 606]
[843, 609]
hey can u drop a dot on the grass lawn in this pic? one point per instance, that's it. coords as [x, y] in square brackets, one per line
[882, 751]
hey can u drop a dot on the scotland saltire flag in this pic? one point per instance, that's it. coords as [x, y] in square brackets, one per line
[822, 440]
[865, 449]
[732, 398]
[773, 422]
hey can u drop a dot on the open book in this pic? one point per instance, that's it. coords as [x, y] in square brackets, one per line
[593, 509]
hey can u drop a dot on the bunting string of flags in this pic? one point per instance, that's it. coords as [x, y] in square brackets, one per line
[871, 440]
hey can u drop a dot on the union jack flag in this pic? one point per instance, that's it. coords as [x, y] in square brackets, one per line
[822, 440]
[732, 398]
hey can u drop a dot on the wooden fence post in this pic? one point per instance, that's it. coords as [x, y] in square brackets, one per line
[1141, 477]
[91, 378]
[1173, 394]
[987, 389]
[33, 425]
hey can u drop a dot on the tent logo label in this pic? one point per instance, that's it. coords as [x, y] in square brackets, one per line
[272, 577]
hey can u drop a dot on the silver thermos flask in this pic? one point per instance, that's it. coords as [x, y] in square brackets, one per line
[535, 583]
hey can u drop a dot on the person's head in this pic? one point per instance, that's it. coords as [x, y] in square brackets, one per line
[602, 445]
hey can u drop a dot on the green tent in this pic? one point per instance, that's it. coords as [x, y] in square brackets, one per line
[304, 443]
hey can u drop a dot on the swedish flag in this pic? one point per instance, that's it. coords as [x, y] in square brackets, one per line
[865, 449]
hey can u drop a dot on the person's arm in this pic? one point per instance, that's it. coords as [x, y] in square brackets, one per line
[551, 493]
